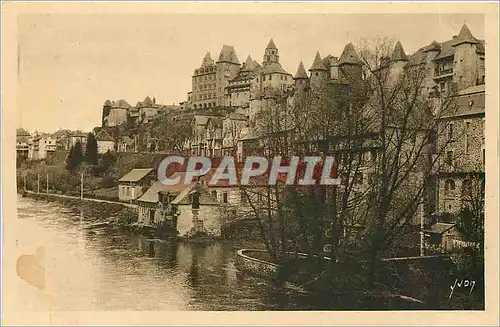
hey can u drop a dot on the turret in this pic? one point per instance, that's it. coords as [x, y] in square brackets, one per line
[350, 65]
[301, 79]
[466, 63]
[319, 73]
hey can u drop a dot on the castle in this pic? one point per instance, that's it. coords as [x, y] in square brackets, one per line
[455, 64]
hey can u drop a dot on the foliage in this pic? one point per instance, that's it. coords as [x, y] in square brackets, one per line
[91, 150]
[75, 157]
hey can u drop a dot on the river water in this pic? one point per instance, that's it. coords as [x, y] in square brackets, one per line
[108, 269]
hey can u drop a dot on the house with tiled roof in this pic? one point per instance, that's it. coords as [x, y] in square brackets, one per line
[185, 208]
[133, 184]
[105, 142]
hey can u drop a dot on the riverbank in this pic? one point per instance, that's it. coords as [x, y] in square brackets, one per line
[94, 210]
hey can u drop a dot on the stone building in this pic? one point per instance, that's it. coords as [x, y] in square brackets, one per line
[120, 112]
[22, 139]
[464, 154]
[211, 78]
[453, 65]
[115, 113]
[41, 146]
[188, 208]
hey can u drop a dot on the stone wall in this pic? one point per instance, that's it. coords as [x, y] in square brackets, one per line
[247, 263]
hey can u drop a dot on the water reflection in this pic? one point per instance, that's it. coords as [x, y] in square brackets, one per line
[111, 269]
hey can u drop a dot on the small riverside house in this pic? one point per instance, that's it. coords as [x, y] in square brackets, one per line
[135, 183]
[190, 207]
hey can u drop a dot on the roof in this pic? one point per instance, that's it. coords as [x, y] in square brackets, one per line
[318, 63]
[273, 68]
[136, 175]
[472, 89]
[249, 64]
[301, 72]
[121, 104]
[440, 228]
[469, 102]
[228, 54]
[151, 195]
[201, 120]
[446, 48]
[103, 136]
[434, 46]
[326, 61]
[107, 103]
[236, 116]
[399, 53]
[271, 45]
[147, 102]
[207, 60]
[349, 55]
[465, 36]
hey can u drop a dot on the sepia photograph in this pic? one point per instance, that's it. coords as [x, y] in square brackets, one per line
[257, 157]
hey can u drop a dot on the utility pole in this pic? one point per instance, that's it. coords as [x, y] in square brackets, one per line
[24, 178]
[38, 183]
[47, 183]
[81, 186]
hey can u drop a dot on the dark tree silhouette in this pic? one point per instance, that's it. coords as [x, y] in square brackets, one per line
[91, 150]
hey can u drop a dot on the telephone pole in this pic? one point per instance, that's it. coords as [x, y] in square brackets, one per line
[38, 183]
[47, 183]
[81, 186]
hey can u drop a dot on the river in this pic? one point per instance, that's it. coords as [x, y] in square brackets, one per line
[109, 270]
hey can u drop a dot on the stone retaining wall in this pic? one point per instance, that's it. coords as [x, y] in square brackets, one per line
[247, 263]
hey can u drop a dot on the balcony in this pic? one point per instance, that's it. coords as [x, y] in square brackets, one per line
[443, 73]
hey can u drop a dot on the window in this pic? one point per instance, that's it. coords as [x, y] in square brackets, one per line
[196, 200]
[316, 74]
[466, 188]
[450, 131]
[449, 158]
[270, 77]
[373, 154]
[224, 197]
[243, 197]
[449, 187]
[214, 193]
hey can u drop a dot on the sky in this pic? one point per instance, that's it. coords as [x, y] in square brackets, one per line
[69, 64]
